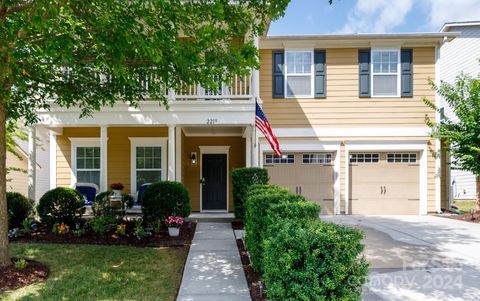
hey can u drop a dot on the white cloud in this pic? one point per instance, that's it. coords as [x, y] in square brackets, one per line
[441, 11]
[377, 15]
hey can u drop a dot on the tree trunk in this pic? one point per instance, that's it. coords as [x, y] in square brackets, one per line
[4, 258]
[478, 194]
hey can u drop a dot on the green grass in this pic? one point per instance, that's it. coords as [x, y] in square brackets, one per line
[87, 272]
[465, 205]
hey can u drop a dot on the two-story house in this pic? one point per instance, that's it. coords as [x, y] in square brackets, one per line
[347, 110]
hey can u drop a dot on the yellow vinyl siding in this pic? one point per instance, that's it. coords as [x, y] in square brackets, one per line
[118, 152]
[191, 173]
[17, 181]
[119, 156]
[342, 107]
[64, 170]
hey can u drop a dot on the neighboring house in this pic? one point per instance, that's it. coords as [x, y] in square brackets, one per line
[460, 55]
[347, 110]
[18, 179]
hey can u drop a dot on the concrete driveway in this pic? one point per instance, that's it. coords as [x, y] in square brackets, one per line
[419, 257]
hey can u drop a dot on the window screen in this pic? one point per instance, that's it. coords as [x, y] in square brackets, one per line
[299, 73]
[385, 73]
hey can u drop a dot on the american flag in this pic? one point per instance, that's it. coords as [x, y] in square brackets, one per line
[263, 125]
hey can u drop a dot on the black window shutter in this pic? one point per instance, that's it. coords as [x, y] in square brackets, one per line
[320, 74]
[364, 72]
[406, 70]
[278, 77]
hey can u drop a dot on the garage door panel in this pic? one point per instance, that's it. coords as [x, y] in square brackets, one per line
[314, 181]
[384, 187]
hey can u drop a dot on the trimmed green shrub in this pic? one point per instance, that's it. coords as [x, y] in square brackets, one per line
[165, 198]
[291, 211]
[242, 180]
[19, 208]
[61, 205]
[258, 203]
[320, 261]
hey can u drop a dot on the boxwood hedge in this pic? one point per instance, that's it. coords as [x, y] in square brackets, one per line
[317, 261]
[242, 180]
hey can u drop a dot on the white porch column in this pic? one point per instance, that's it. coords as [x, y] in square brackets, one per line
[254, 147]
[32, 162]
[171, 153]
[248, 146]
[178, 154]
[256, 76]
[53, 159]
[103, 158]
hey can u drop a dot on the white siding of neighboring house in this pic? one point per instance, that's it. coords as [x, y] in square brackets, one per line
[43, 162]
[461, 55]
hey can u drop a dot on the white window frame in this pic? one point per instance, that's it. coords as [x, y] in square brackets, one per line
[410, 156]
[324, 158]
[82, 142]
[146, 142]
[372, 73]
[312, 77]
[280, 163]
[363, 153]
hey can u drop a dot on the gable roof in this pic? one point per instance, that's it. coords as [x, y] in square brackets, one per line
[447, 26]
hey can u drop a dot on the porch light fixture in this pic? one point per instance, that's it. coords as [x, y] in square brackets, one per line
[193, 157]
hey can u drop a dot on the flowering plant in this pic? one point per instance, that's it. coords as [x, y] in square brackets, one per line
[121, 229]
[116, 186]
[61, 229]
[174, 221]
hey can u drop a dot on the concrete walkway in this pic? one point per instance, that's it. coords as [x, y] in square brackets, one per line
[213, 270]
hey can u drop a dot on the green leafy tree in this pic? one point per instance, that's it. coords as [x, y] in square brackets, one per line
[90, 54]
[462, 133]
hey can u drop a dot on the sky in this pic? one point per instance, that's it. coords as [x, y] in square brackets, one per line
[372, 16]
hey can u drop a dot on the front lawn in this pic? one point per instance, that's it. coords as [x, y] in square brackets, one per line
[464, 205]
[89, 272]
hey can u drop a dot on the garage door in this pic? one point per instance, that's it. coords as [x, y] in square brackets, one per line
[308, 174]
[384, 183]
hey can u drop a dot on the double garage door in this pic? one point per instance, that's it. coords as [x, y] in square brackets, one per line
[307, 174]
[379, 182]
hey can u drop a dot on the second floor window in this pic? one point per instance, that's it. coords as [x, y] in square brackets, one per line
[385, 75]
[299, 74]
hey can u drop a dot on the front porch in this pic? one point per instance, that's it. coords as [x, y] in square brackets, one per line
[201, 157]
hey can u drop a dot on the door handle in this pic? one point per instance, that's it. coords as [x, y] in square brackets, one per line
[296, 189]
[384, 189]
[300, 188]
[202, 181]
[381, 189]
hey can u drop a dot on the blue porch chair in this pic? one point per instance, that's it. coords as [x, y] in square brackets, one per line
[89, 191]
[140, 192]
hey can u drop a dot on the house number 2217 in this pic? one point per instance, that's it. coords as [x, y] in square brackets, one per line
[212, 121]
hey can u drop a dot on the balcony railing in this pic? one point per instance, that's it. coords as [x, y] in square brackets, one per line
[238, 89]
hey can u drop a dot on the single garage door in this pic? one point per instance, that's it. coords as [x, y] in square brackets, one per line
[384, 183]
[308, 174]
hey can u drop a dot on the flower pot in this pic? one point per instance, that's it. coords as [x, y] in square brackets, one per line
[173, 231]
[117, 192]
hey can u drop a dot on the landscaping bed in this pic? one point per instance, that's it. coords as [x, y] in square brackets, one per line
[467, 217]
[158, 238]
[12, 277]
[253, 278]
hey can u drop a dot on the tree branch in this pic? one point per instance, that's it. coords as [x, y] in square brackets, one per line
[18, 8]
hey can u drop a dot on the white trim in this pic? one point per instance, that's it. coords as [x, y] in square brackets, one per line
[32, 162]
[178, 154]
[312, 146]
[224, 149]
[171, 153]
[353, 132]
[149, 142]
[421, 147]
[81, 142]
[104, 158]
[53, 159]
[311, 74]
[438, 145]
[372, 73]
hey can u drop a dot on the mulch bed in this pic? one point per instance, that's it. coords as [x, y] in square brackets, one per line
[12, 278]
[467, 217]
[253, 278]
[160, 239]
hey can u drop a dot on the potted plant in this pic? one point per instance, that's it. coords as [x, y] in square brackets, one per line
[173, 224]
[117, 189]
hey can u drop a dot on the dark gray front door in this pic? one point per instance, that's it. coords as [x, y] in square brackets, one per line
[214, 182]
